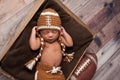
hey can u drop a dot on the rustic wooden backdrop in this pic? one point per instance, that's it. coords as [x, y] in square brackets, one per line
[101, 16]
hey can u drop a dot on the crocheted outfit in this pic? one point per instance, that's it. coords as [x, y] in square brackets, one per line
[44, 73]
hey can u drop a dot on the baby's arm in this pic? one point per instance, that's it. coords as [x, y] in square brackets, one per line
[66, 38]
[34, 41]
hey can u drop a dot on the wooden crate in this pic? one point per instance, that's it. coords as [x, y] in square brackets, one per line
[17, 53]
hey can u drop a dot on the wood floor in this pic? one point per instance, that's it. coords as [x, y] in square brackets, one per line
[101, 16]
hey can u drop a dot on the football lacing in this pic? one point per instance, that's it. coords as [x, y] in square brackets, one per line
[82, 66]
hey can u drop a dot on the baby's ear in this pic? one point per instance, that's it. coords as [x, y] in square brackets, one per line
[36, 28]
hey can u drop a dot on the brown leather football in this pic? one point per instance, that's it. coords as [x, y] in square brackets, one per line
[86, 68]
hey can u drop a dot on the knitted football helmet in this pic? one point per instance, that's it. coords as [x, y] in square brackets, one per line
[49, 19]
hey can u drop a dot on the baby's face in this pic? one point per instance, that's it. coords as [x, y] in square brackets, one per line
[49, 35]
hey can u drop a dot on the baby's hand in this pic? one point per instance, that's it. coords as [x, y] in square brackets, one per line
[35, 31]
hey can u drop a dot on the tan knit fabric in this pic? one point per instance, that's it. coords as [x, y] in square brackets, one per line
[49, 19]
[42, 75]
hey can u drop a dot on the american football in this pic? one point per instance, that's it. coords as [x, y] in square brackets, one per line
[86, 67]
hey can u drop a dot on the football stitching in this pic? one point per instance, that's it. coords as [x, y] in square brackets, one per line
[92, 58]
[82, 66]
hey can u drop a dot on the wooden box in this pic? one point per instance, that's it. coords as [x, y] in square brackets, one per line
[18, 51]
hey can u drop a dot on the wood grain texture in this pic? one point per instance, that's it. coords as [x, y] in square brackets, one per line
[84, 9]
[110, 30]
[9, 27]
[9, 8]
[100, 18]
[111, 69]
[108, 50]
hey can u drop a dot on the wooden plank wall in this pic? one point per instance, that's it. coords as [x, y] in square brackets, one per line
[10, 17]
[101, 16]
